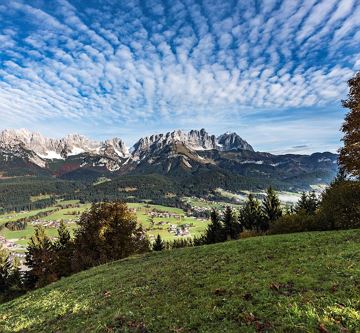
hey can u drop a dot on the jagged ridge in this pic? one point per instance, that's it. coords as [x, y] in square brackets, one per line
[174, 153]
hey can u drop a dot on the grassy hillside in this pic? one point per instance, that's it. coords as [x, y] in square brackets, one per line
[305, 282]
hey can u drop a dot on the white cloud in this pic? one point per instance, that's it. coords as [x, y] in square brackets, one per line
[173, 60]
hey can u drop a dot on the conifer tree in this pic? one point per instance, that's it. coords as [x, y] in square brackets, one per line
[302, 203]
[271, 208]
[63, 249]
[158, 244]
[250, 215]
[313, 203]
[39, 260]
[232, 227]
[307, 204]
[215, 231]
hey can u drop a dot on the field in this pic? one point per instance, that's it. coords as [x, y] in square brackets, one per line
[70, 215]
[307, 282]
[207, 204]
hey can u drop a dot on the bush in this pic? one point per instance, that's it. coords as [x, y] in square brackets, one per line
[340, 206]
[250, 233]
[179, 243]
[294, 223]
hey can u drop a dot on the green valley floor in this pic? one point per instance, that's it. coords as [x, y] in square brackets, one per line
[306, 282]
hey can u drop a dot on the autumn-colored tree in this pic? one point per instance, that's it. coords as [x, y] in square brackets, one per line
[10, 276]
[350, 154]
[108, 231]
[4, 269]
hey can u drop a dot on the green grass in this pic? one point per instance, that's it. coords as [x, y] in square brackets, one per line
[307, 282]
[35, 198]
[9, 217]
[66, 213]
[202, 203]
[198, 226]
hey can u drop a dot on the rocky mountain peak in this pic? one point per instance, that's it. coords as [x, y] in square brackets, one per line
[72, 144]
[116, 146]
[232, 141]
[195, 140]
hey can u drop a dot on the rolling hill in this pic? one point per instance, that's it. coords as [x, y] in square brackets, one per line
[308, 282]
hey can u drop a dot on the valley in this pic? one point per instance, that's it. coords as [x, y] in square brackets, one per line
[169, 222]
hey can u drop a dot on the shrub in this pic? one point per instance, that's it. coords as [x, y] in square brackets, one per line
[179, 243]
[340, 206]
[294, 223]
[249, 233]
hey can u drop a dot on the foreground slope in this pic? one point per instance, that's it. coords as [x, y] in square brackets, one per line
[300, 282]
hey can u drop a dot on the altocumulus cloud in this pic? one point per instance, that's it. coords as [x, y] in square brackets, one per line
[171, 63]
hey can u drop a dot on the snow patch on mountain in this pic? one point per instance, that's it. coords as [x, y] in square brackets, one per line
[39, 149]
[252, 162]
[51, 155]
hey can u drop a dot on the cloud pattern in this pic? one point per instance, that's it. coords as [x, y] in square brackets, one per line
[174, 62]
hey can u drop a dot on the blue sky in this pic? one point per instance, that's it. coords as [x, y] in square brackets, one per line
[273, 71]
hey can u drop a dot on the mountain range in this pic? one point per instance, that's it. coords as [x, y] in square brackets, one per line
[174, 154]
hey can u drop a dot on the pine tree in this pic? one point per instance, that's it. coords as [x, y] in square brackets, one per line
[158, 244]
[63, 248]
[313, 203]
[250, 215]
[39, 260]
[349, 155]
[271, 208]
[215, 231]
[302, 203]
[232, 227]
[307, 204]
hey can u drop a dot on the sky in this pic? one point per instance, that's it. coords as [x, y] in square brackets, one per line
[274, 71]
